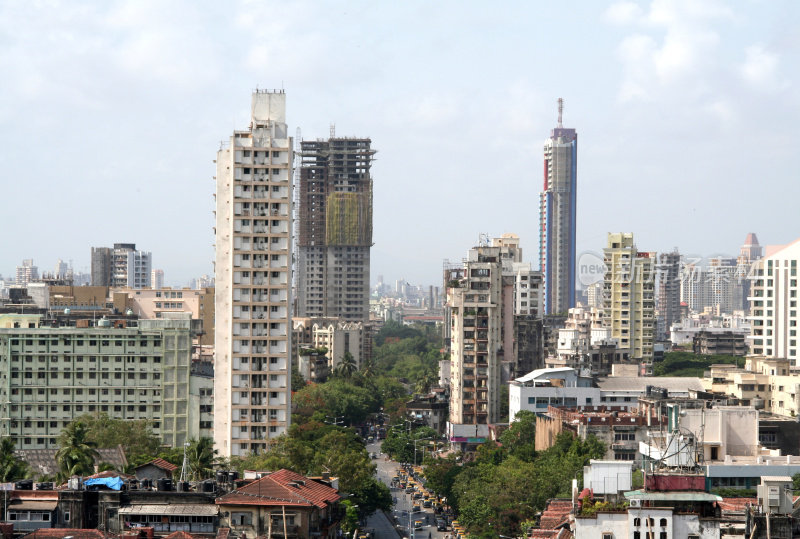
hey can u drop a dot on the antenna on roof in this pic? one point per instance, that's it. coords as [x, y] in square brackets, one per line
[560, 110]
[333, 130]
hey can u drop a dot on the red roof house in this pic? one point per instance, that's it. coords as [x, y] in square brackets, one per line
[281, 503]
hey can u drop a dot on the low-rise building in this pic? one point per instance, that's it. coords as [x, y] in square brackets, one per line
[282, 503]
[767, 384]
[564, 387]
[720, 342]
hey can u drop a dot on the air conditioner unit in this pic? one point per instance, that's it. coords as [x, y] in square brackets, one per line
[635, 502]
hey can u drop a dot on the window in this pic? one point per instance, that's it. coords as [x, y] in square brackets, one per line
[241, 519]
[663, 522]
[608, 536]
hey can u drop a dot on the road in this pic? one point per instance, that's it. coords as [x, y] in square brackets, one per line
[403, 503]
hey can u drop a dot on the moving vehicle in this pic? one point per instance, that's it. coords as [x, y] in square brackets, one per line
[417, 524]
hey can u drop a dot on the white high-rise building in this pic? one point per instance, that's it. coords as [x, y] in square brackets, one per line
[253, 326]
[773, 303]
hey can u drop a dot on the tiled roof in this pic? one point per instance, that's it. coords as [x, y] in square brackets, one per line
[160, 463]
[282, 488]
[736, 504]
[60, 533]
[555, 514]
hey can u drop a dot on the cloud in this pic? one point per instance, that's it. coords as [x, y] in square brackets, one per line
[674, 43]
[760, 68]
[623, 13]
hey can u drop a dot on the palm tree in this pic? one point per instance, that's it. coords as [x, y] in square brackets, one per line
[202, 457]
[347, 366]
[76, 454]
[425, 382]
[11, 466]
[368, 368]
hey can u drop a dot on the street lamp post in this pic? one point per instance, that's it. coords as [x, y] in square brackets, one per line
[415, 447]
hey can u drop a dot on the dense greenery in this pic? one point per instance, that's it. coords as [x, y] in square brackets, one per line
[77, 453]
[313, 447]
[735, 492]
[689, 364]
[501, 491]
[409, 446]
[12, 467]
[409, 354]
[135, 436]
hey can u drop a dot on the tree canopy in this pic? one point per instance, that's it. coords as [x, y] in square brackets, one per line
[12, 467]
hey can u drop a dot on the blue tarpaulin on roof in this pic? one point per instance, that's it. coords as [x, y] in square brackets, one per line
[114, 483]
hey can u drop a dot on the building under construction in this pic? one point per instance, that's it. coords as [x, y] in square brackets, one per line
[334, 224]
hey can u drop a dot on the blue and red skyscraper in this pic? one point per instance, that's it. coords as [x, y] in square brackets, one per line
[557, 212]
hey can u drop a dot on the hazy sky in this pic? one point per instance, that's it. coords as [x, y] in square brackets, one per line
[686, 111]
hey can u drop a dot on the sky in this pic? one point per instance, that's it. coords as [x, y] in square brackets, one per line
[687, 116]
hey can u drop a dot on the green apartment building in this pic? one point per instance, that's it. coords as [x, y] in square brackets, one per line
[51, 375]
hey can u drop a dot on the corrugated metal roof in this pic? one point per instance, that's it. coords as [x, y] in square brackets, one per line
[685, 496]
[191, 509]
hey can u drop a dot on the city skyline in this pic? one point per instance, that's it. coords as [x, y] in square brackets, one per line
[153, 116]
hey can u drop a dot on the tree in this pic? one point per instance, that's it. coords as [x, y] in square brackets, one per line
[347, 367]
[520, 438]
[12, 467]
[202, 457]
[135, 436]
[372, 495]
[76, 454]
[440, 473]
[298, 382]
[350, 520]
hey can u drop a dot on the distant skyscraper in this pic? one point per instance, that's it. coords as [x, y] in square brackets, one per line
[27, 272]
[157, 278]
[628, 308]
[748, 254]
[62, 270]
[253, 266]
[334, 234]
[101, 266]
[557, 213]
[668, 294]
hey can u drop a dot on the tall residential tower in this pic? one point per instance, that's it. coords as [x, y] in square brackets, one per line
[253, 283]
[628, 303]
[334, 229]
[557, 211]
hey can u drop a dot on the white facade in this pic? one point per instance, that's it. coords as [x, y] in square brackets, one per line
[563, 387]
[252, 386]
[662, 522]
[607, 476]
[550, 387]
[773, 304]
